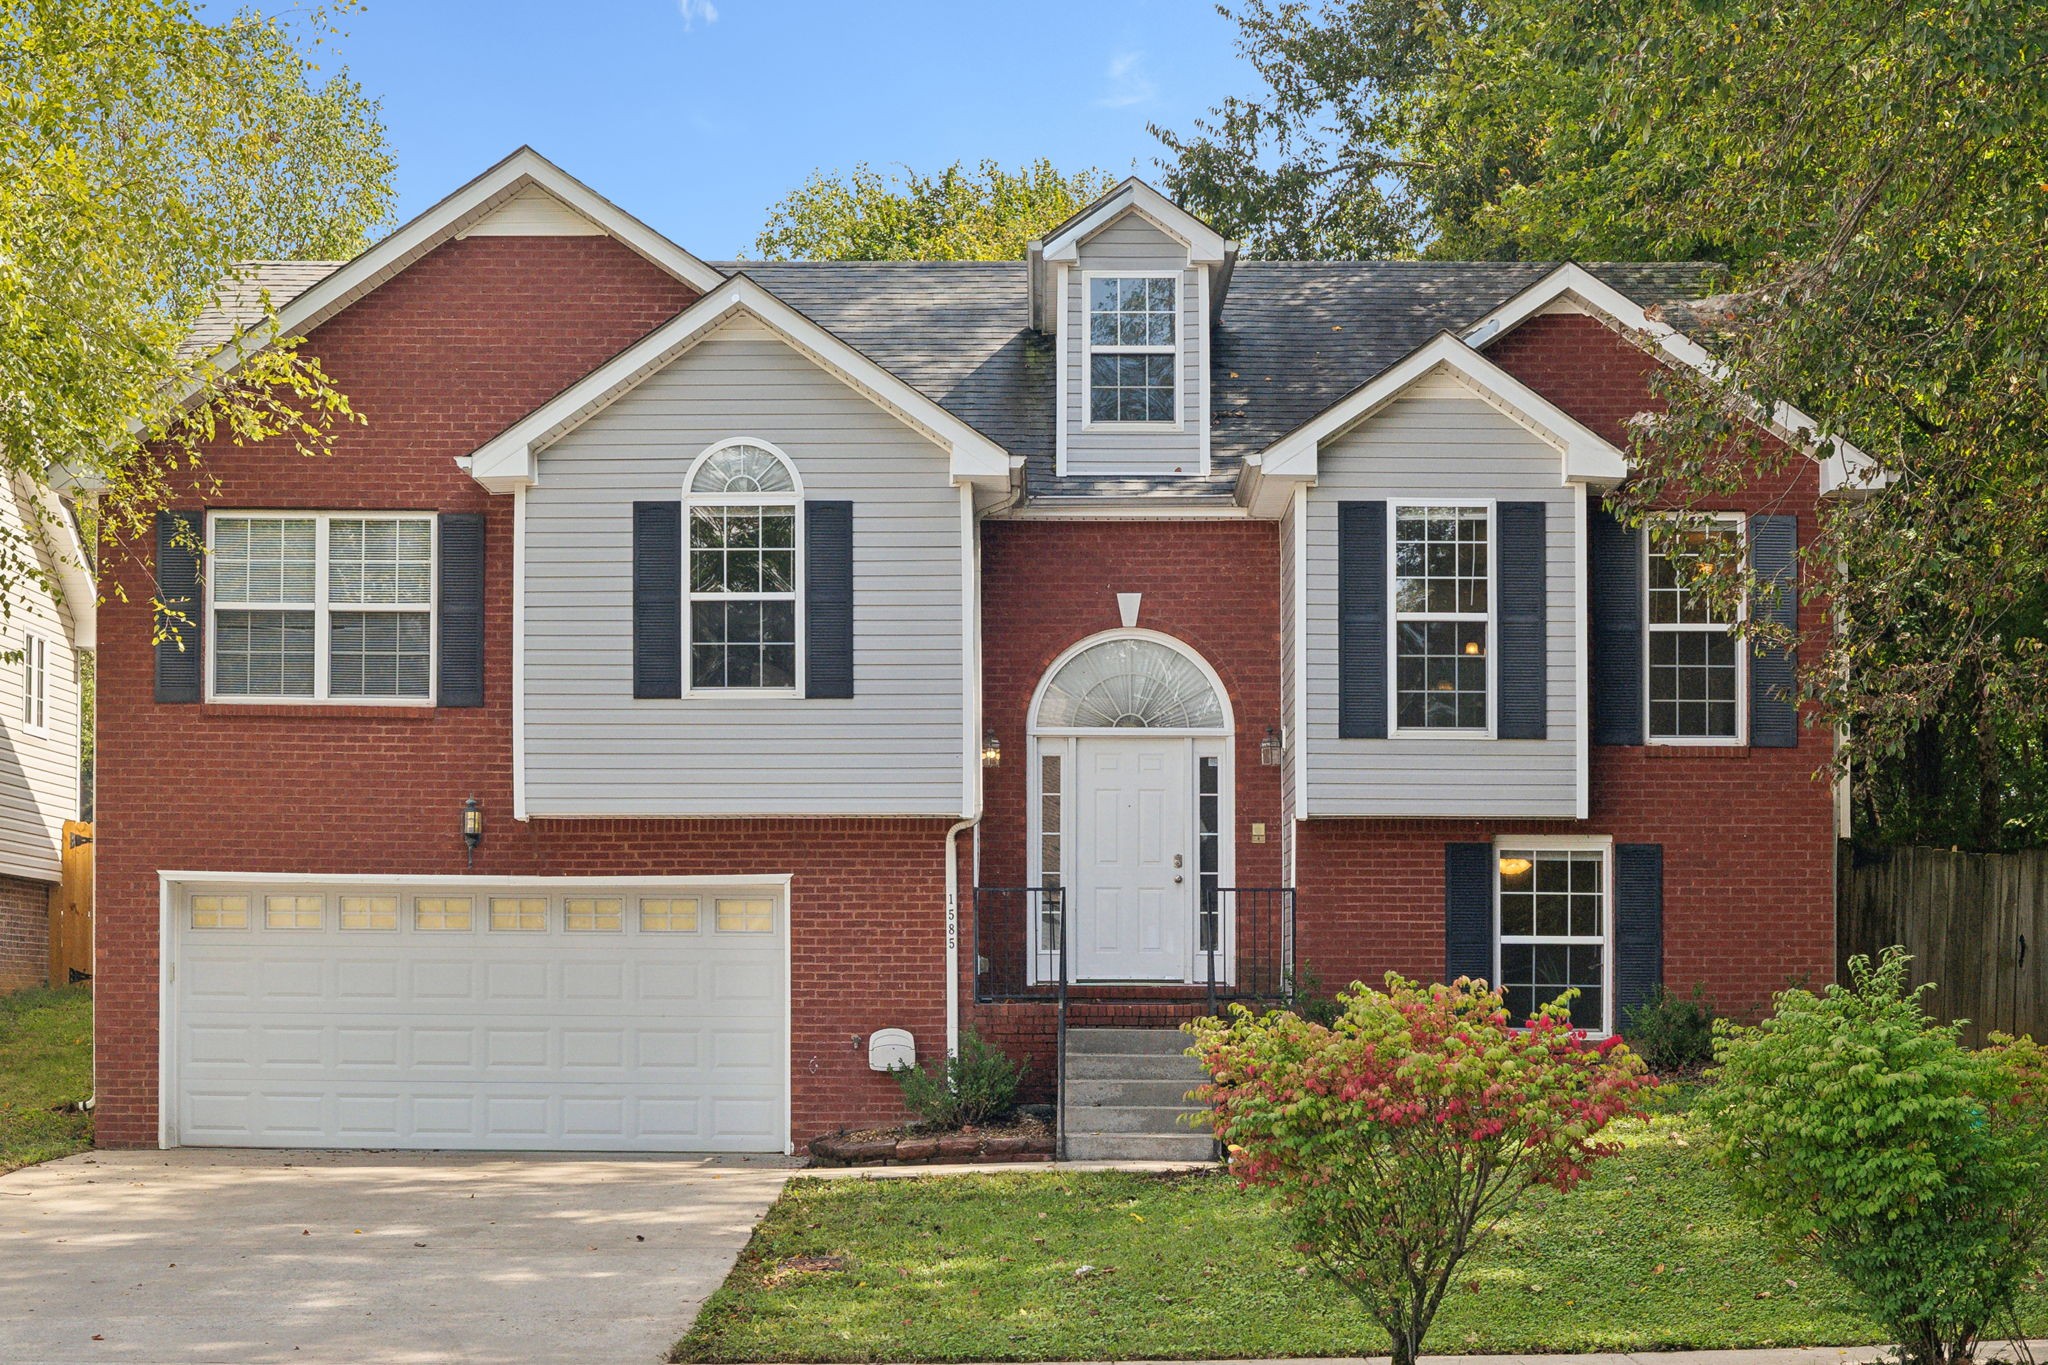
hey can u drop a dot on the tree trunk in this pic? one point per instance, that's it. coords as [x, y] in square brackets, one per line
[1990, 824]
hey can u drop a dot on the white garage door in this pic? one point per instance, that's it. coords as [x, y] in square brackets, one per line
[531, 1016]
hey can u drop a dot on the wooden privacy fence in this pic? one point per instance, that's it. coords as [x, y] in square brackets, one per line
[1975, 923]
[71, 908]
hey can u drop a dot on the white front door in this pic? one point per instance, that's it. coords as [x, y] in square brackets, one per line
[1133, 907]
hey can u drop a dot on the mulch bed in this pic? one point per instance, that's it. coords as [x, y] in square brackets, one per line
[1025, 1137]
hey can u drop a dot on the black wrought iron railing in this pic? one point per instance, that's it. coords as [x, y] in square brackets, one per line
[1245, 935]
[1020, 937]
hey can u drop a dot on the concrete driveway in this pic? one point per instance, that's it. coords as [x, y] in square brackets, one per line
[384, 1258]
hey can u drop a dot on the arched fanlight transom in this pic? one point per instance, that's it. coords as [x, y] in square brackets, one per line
[742, 468]
[1131, 684]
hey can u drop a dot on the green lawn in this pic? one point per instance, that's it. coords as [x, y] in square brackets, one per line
[1649, 1253]
[45, 1060]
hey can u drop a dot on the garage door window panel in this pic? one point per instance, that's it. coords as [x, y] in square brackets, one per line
[519, 914]
[322, 607]
[443, 914]
[220, 912]
[745, 915]
[668, 915]
[376, 914]
[294, 912]
[593, 914]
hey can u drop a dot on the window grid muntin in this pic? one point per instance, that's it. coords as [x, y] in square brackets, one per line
[743, 577]
[291, 613]
[670, 914]
[1144, 322]
[218, 911]
[1692, 654]
[35, 683]
[1208, 849]
[744, 915]
[290, 910]
[518, 914]
[375, 914]
[593, 914]
[1552, 930]
[1051, 843]
[1441, 593]
[444, 914]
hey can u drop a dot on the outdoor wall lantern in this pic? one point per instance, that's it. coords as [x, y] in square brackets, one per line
[472, 827]
[991, 751]
[1271, 748]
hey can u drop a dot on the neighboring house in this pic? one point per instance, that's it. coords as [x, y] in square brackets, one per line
[813, 649]
[47, 620]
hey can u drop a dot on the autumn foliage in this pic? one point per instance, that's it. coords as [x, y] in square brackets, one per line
[1398, 1137]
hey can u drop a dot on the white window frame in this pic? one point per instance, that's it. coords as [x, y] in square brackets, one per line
[35, 683]
[1395, 616]
[1089, 348]
[795, 499]
[320, 607]
[1740, 738]
[1566, 843]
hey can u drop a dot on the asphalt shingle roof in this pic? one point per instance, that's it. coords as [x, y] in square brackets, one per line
[1294, 337]
[241, 297]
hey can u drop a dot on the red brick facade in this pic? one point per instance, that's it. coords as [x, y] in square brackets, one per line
[479, 332]
[450, 352]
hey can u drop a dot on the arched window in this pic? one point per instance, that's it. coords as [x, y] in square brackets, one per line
[744, 567]
[1131, 684]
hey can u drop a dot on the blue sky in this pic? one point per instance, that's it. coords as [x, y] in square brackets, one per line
[696, 115]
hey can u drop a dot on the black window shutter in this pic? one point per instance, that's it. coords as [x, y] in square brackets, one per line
[1524, 664]
[1468, 911]
[828, 598]
[657, 599]
[1615, 562]
[1773, 672]
[462, 609]
[1362, 620]
[181, 648]
[1638, 925]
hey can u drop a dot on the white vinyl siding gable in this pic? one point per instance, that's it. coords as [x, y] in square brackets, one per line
[895, 748]
[1133, 246]
[39, 770]
[1440, 443]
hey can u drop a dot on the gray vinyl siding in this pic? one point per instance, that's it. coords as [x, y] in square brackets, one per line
[894, 748]
[1133, 244]
[38, 772]
[1439, 440]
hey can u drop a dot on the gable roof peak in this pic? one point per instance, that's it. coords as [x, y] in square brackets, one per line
[1132, 194]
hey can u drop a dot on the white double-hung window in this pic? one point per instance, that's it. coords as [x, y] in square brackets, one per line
[321, 606]
[744, 507]
[1132, 348]
[1695, 662]
[35, 684]
[1553, 929]
[1443, 623]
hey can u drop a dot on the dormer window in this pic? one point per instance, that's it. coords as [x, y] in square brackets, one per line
[1132, 348]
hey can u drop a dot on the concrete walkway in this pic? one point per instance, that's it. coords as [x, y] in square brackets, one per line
[382, 1258]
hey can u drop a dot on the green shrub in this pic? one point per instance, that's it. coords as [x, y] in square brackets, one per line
[1306, 997]
[1673, 1034]
[978, 1085]
[1400, 1137]
[1863, 1133]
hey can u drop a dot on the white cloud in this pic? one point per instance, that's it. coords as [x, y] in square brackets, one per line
[1129, 83]
[697, 12]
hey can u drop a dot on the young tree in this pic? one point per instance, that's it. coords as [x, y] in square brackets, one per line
[986, 214]
[1863, 1134]
[1873, 176]
[1400, 1136]
[143, 151]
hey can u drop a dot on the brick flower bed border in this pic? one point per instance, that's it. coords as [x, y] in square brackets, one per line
[836, 1149]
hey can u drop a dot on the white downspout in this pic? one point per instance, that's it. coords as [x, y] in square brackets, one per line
[953, 936]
